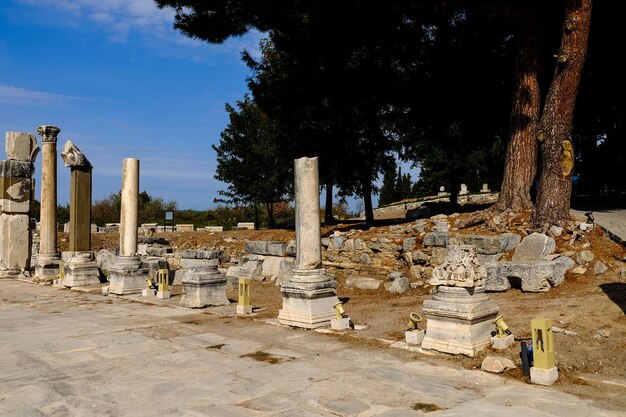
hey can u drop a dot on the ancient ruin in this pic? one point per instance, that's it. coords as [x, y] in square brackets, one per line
[459, 316]
[48, 259]
[81, 268]
[16, 204]
[309, 294]
[127, 275]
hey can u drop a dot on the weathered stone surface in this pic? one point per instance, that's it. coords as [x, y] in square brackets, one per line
[203, 288]
[285, 271]
[198, 263]
[15, 256]
[584, 257]
[365, 259]
[534, 276]
[127, 276]
[416, 272]
[105, 258]
[258, 247]
[438, 256]
[409, 244]
[420, 257]
[556, 231]
[15, 194]
[579, 270]
[337, 242]
[439, 239]
[189, 254]
[399, 285]
[21, 146]
[487, 245]
[73, 157]
[599, 268]
[497, 364]
[363, 283]
[271, 266]
[460, 269]
[508, 241]
[534, 247]
[488, 259]
[277, 248]
[21, 169]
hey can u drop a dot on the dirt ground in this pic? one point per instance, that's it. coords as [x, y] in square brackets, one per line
[591, 355]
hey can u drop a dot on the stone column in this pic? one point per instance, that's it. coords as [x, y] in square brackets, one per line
[309, 294]
[127, 276]
[16, 200]
[80, 268]
[48, 260]
[308, 233]
[130, 207]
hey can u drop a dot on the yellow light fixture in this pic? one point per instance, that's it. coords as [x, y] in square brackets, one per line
[501, 327]
[414, 318]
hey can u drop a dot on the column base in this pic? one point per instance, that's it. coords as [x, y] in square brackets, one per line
[203, 288]
[126, 276]
[459, 327]
[80, 271]
[47, 268]
[309, 297]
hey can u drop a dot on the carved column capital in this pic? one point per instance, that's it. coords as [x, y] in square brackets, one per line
[74, 158]
[48, 133]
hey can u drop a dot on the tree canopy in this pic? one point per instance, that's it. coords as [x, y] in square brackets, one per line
[445, 84]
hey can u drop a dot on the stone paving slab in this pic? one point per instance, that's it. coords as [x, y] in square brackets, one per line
[64, 354]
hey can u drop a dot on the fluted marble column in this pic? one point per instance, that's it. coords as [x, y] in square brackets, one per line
[309, 294]
[48, 260]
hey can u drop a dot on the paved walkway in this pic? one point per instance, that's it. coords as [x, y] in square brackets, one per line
[608, 213]
[73, 354]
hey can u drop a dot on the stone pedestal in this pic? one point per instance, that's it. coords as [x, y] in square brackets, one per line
[309, 294]
[308, 299]
[414, 337]
[81, 270]
[126, 276]
[502, 343]
[460, 315]
[459, 320]
[545, 377]
[15, 244]
[340, 324]
[204, 287]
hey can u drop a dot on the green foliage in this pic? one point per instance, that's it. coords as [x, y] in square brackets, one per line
[63, 214]
[250, 160]
[396, 186]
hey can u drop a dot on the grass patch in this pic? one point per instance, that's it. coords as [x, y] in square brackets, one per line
[425, 407]
[262, 356]
[218, 346]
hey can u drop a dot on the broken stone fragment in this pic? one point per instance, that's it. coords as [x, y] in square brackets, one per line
[534, 247]
[73, 157]
[497, 364]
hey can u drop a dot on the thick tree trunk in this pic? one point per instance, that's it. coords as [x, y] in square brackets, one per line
[328, 207]
[555, 187]
[520, 165]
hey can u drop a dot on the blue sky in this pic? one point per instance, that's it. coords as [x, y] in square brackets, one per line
[120, 82]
